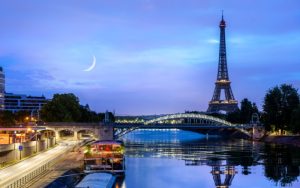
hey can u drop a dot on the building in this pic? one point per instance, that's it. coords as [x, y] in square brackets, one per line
[2, 88]
[16, 102]
[229, 104]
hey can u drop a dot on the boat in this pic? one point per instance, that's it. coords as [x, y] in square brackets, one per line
[104, 156]
[97, 180]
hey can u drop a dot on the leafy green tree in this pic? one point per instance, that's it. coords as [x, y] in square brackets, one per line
[295, 120]
[62, 108]
[234, 117]
[243, 115]
[88, 115]
[7, 119]
[20, 116]
[66, 108]
[247, 109]
[279, 103]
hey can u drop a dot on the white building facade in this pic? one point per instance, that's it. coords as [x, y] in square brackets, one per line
[16, 102]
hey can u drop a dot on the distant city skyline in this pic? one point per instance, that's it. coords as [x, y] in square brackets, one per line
[153, 56]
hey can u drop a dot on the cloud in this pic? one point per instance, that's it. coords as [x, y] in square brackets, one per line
[152, 56]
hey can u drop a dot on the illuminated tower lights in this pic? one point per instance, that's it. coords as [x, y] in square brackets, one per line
[229, 104]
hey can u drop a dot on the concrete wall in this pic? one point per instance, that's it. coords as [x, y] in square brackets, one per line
[6, 147]
[10, 152]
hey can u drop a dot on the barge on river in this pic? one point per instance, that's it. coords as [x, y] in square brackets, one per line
[104, 156]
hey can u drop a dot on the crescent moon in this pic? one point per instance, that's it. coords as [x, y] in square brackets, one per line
[92, 66]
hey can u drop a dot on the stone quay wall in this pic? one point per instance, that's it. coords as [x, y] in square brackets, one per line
[10, 152]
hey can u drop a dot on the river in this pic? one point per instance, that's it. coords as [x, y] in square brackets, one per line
[181, 159]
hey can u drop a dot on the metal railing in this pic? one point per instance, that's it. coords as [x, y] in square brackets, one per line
[25, 179]
[196, 116]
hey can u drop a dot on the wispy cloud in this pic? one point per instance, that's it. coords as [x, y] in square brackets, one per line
[152, 56]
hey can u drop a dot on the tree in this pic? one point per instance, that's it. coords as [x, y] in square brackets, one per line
[20, 116]
[295, 120]
[279, 103]
[234, 117]
[87, 115]
[243, 115]
[66, 108]
[7, 118]
[62, 108]
[247, 109]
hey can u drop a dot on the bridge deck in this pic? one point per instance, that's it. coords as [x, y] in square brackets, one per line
[175, 126]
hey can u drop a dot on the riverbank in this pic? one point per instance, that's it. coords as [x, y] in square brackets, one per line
[290, 140]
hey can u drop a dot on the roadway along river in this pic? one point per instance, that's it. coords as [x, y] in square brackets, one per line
[15, 172]
[179, 159]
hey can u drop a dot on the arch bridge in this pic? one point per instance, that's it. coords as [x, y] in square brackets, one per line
[77, 130]
[201, 123]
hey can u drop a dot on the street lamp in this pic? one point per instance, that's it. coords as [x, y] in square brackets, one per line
[36, 141]
[47, 138]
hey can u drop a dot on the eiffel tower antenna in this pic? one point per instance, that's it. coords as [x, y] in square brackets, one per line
[229, 104]
[222, 14]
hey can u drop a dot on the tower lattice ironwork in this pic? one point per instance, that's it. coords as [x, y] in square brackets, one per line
[229, 104]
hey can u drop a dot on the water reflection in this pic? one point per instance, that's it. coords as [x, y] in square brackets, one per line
[281, 164]
[228, 172]
[226, 158]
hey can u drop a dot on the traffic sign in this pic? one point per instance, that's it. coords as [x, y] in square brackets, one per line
[20, 148]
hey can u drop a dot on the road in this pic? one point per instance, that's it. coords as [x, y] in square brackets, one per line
[71, 160]
[17, 171]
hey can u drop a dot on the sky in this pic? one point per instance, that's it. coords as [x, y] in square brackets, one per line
[152, 56]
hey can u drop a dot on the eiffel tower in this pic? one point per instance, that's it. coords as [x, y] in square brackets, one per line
[229, 104]
[229, 173]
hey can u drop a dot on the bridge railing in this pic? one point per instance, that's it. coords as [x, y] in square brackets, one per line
[30, 176]
[196, 116]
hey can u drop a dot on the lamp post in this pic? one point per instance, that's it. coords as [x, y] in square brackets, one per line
[36, 141]
[47, 137]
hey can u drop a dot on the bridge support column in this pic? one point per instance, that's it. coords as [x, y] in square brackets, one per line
[57, 136]
[106, 132]
[79, 135]
[75, 135]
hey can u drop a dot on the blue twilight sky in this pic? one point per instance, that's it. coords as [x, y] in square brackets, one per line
[153, 56]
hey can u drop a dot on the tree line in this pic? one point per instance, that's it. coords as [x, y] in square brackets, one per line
[281, 110]
[66, 108]
[8, 118]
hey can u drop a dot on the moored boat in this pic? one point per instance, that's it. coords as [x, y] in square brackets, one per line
[104, 156]
[97, 180]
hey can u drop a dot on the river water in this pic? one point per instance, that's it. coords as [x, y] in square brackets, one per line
[181, 159]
